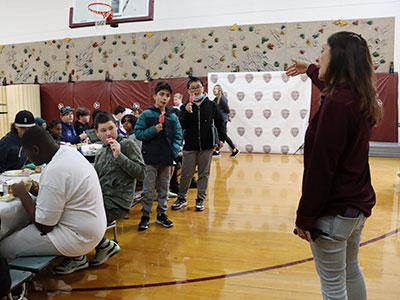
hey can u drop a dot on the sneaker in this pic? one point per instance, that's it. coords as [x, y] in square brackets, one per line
[163, 220]
[199, 205]
[179, 203]
[102, 254]
[71, 264]
[144, 223]
[216, 154]
[235, 153]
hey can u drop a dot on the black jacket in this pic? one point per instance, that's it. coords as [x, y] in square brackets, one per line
[197, 125]
[11, 155]
[80, 128]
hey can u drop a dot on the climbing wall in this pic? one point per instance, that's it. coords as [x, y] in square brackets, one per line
[179, 53]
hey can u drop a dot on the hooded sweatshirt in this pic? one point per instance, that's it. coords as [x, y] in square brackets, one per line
[12, 157]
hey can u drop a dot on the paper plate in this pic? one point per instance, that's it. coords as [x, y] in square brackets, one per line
[7, 198]
[17, 173]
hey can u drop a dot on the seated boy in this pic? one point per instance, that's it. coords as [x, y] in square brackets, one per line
[68, 130]
[68, 216]
[118, 164]
[161, 133]
[82, 124]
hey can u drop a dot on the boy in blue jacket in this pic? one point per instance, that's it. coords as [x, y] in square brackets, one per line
[161, 133]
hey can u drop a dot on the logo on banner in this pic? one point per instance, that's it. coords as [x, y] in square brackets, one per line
[248, 113]
[276, 95]
[276, 131]
[214, 78]
[295, 95]
[267, 77]
[258, 95]
[285, 78]
[240, 95]
[267, 148]
[285, 149]
[258, 131]
[249, 78]
[231, 78]
[285, 113]
[267, 113]
[249, 148]
[96, 105]
[240, 131]
[304, 77]
[294, 131]
[303, 113]
[232, 113]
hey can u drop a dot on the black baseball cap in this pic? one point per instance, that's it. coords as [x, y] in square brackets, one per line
[24, 118]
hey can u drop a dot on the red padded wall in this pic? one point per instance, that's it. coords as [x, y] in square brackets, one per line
[126, 92]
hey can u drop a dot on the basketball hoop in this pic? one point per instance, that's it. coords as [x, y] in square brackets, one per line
[103, 11]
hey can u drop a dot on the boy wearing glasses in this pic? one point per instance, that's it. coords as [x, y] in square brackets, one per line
[196, 118]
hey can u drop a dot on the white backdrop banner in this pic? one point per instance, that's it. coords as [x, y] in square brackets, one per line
[269, 111]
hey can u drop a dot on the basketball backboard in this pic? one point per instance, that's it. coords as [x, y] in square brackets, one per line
[124, 11]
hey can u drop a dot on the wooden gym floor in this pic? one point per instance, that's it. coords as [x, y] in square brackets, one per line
[240, 247]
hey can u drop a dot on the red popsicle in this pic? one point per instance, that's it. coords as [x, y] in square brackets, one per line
[161, 119]
[191, 98]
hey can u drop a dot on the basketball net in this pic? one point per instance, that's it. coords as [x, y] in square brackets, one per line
[102, 12]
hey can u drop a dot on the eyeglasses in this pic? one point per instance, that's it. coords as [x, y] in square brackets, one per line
[194, 88]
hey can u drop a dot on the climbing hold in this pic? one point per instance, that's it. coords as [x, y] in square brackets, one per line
[233, 27]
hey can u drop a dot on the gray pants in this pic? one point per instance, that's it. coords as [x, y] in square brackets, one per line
[28, 241]
[189, 161]
[336, 258]
[156, 175]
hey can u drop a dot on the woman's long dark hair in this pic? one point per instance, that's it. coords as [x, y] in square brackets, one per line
[350, 62]
[220, 92]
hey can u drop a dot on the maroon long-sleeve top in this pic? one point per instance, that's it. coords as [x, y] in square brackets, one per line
[336, 170]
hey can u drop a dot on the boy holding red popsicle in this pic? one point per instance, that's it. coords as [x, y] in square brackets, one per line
[161, 133]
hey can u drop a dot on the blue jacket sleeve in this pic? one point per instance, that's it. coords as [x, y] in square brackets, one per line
[176, 145]
[143, 133]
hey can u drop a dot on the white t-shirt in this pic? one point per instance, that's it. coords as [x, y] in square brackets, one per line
[70, 199]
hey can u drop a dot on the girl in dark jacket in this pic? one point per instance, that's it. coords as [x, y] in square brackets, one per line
[337, 195]
[223, 106]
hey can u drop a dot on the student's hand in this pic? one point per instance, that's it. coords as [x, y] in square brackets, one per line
[298, 67]
[303, 234]
[189, 107]
[159, 127]
[221, 144]
[180, 154]
[34, 188]
[19, 189]
[229, 119]
[115, 147]
[83, 136]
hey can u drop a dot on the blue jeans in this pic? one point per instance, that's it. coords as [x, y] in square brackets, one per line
[336, 257]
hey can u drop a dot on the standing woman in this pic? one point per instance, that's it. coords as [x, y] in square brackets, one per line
[337, 195]
[12, 157]
[223, 106]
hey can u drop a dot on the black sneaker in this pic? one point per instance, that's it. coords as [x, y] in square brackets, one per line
[144, 223]
[235, 153]
[216, 154]
[179, 203]
[163, 220]
[199, 205]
